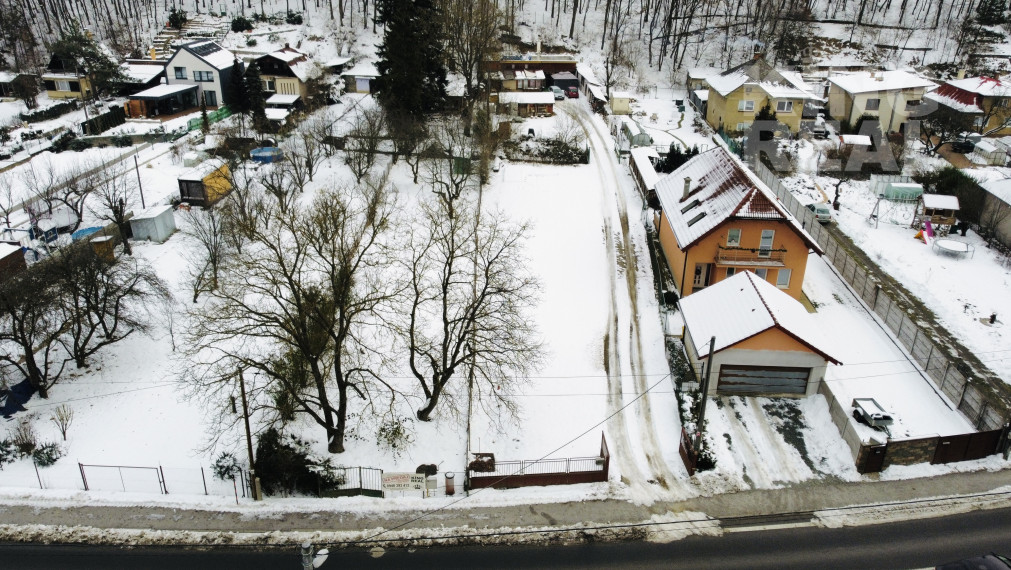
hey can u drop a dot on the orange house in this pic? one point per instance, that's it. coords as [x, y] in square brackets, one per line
[717, 219]
[763, 341]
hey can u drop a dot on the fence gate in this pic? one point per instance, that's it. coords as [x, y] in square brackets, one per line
[965, 447]
[874, 461]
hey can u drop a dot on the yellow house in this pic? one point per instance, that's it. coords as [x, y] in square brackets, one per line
[205, 184]
[986, 99]
[65, 79]
[889, 96]
[766, 343]
[717, 219]
[284, 72]
[736, 96]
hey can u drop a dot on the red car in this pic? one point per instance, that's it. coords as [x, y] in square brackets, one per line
[572, 93]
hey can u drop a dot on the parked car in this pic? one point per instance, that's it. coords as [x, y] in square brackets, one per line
[559, 94]
[572, 93]
[988, 562]
[821, 212]
[962, 145]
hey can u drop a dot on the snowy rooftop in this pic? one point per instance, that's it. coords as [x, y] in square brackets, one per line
[363, 69]
[743, 306]
[199, 172]
[159, 91]
[940, 201]
[702, 94]
[276, 114]
[871, 81]
[152, 212]
[142, 72]
[721, 189]
[778, 84]
[703, 72]
[7, 249]
[587, 74]
[281, 99]
[527, 98]
[985, 86]
[1000, 188]
[858, 140]
[641, 156]
[456, 85]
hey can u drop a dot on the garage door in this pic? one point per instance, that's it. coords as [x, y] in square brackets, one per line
[762, 380]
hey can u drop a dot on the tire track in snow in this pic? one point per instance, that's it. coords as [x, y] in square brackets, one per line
[768, 459]
[621, 245]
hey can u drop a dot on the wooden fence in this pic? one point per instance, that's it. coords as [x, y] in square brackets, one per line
[543, 472]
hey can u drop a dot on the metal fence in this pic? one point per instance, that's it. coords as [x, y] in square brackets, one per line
[982, 410]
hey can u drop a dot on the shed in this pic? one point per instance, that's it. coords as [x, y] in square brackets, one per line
[12, 260]
[938, 209]
[986, 152]
[359, 78]
[621, 102]
[644, 171]
[634, 133]
[205, 184]
[766, 341]
[564, 79]
[156, 224]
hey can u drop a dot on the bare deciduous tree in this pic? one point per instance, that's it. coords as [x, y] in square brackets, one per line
[62, 416]
[28, 320]
[363, 141]
[468, 293]
[114, 196]
[471, 31]
[207, 228]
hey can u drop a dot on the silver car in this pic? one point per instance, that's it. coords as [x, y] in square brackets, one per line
[821, 212]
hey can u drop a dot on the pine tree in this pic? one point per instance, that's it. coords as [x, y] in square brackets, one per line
[238, 102]
[77, 48]
[205, 122]
[254, 96]
[991, 12]
[412, 68]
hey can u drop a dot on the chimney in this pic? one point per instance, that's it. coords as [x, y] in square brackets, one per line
[286, 46]
[154, 54]
[960, 74]
[688, 187]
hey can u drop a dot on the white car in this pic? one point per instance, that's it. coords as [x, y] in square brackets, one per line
[559, 94]
[821, 212]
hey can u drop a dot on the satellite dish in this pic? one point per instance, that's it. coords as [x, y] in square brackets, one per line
[320, 557]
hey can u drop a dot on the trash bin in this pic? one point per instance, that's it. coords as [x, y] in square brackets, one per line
[450, 485]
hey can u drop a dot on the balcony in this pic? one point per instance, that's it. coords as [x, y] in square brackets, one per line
[749, 257]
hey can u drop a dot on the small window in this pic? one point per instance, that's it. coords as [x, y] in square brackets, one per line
[978, 121]
[734, 237]
[743, 126]
[210, 98]
[746, 106]
[913, 103]
[62, 85]
[763, 273]
[180, 72]
[695, 220]
[873, 104]
[784, 107]
[783, 278]
[765, 245]
[690, 205]
[203, 76]
[268, 85]
[731, 271]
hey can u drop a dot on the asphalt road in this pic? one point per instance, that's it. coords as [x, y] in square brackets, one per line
[910, 544]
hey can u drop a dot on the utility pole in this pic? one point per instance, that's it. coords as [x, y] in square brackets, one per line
[140, 187]
[253, 479]
[704, 394]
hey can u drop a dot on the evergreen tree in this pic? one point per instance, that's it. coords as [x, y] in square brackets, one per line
[254, 96]
[412, 62]
[991, 12]
[676, 156]
[239, 103]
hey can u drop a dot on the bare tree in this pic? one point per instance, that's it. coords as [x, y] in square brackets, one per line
[114, 197]
[279, 181]
[298, 307]
[101, 301]
[406, 132]
[207, 228]
[468, 294]
[363, 141]
[62, 416]
[471, 29]
[448, 167]
[30, 326]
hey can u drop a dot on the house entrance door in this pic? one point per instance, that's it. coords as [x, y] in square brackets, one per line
[701, 276]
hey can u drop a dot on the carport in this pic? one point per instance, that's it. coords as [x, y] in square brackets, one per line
[162, 100]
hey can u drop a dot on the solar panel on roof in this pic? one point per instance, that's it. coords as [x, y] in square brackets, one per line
[204, 49]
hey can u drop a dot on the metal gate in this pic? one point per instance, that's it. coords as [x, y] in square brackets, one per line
[741, 380]
[965, 447]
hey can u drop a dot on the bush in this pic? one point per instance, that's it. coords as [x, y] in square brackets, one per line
[293, 18]
[176, 19]
[285, 465]
[122, 141]
[78, 145]
[47, 454]
[8, 452]
[241, 24]
[226, 466]
[251, 42]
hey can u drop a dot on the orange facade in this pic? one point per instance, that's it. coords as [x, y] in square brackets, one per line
[770, 248]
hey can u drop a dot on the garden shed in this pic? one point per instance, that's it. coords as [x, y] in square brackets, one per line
[205, 184]
[621, 102]
[155, 224]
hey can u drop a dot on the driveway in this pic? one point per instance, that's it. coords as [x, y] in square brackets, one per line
[956, 159]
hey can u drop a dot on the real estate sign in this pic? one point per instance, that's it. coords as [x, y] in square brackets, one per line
[403, 481]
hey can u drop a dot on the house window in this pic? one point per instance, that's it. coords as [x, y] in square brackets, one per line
[734, 237]
[783, 278]
[784, 107]
[203, 76]
[746, 106]
[180, 72]
[978, 121]
[731, 271]
[743, 126]
[210, 98]
[268, 85]
[1001, 102]
[873, 104]
[765, 245]
[912, 103]
[763, 273]
[62, 85]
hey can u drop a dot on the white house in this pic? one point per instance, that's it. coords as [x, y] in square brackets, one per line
[207, 65]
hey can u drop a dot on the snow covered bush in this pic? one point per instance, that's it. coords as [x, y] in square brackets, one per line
[226, 466]
[8, 452]
[47, 454]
